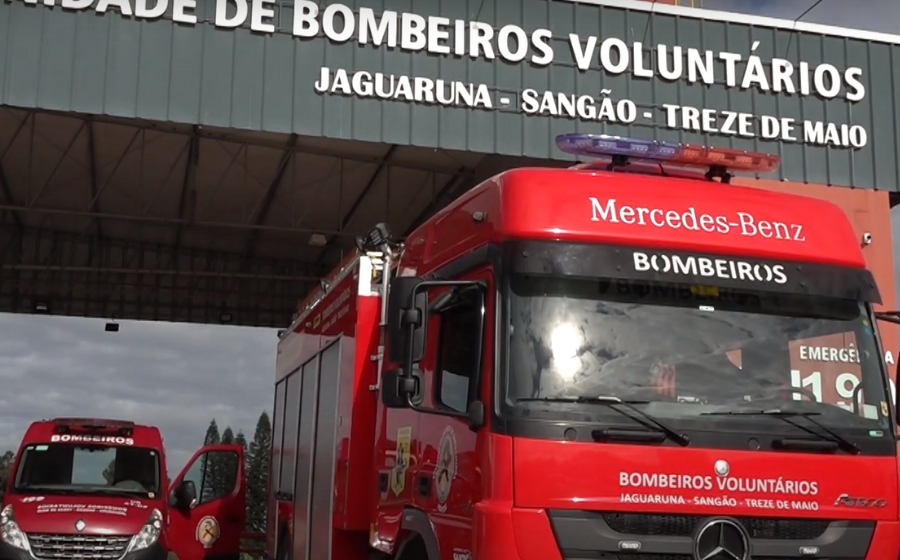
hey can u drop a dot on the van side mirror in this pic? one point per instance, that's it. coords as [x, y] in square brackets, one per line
[186, 495]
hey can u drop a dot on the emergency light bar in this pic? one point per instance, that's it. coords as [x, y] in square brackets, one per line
[683, 155]
[68, 425]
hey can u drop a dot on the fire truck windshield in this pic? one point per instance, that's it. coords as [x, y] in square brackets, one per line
[57, 468]
[690, 350]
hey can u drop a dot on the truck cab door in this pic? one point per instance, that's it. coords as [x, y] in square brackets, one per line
[210, 527]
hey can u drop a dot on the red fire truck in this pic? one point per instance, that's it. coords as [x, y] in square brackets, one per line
[97, 489]
[630, 359]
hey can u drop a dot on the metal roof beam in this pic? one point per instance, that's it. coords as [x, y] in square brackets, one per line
[345, 221]
[7, 194]
[205, 133]
[4, 181]
[190, 172]
[168, 221]
[92, 162]
[54, 250]
[436, 203]
[262, 210]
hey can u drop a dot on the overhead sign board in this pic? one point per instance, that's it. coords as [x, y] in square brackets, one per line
[593, 65]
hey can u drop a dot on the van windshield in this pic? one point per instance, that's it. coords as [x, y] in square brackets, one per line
[690, 350]
[83, 469]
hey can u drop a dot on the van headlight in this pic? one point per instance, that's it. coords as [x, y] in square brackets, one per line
[148, 534]
[10, 532]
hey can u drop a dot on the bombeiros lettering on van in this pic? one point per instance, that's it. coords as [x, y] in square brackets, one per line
[726, 269]
[724, 483]
[90, 438]
[690, 219]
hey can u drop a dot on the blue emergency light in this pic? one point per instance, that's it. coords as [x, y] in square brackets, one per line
[682, 155]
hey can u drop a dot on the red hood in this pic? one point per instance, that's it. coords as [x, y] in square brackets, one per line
[102, 515]
[567, 475]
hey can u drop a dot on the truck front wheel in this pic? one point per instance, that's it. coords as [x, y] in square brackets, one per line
[283, 552]
[413, 549]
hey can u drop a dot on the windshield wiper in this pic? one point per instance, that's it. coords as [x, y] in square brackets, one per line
[786, 415]
[611, 401]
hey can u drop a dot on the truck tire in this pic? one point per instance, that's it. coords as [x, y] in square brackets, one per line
[413, 549]
[282, 552]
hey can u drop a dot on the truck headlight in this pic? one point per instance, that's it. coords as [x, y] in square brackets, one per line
[10, 532]
[148, 534]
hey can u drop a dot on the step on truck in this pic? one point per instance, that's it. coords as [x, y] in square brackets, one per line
[98, 489]
[630, 359]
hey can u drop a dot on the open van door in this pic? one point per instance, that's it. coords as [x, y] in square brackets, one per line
[207, 505]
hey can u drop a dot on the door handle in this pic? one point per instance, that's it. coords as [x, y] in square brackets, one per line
[424, 485]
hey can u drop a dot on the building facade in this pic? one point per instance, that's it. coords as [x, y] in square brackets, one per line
[487, 77]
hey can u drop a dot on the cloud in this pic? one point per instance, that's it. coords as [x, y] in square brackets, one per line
[871, 15]
[174, 376]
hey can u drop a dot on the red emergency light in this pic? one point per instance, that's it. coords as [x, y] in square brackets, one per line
[93, 425]
[621, 149]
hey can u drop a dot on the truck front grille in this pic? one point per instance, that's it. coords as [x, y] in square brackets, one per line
[78, 547]
[684, 525]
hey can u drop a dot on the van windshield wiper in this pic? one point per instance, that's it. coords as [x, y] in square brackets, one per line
[786, 415]
[648, 420]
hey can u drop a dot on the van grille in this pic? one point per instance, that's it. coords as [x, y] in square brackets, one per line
[684, 525]
[78, 547]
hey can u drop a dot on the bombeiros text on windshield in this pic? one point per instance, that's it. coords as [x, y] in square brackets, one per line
[726, 269]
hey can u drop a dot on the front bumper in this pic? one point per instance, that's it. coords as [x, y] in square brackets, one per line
[504, 532]
[155, 552]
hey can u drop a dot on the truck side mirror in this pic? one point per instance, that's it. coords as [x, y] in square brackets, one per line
[407, 307]
[395, 387]
[186, 495]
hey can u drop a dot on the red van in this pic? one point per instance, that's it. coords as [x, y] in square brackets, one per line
[96, 489]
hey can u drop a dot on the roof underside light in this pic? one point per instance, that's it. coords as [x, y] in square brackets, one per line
[621, 149]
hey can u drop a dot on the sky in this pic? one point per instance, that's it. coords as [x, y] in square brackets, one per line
[179, 376]
[174, 376]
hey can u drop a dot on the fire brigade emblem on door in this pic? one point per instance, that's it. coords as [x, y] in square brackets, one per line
[398, 473]
[208, 531]
[446, 468]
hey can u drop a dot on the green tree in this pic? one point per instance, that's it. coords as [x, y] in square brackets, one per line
[225, 469]
[258, 458]
[212, 434]
[206, 487]
[6, 463]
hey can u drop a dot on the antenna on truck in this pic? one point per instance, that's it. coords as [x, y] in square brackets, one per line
[621, 150]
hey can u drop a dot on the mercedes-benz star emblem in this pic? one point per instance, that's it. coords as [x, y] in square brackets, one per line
[722, 539]
[722, 467]
[80, 525]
